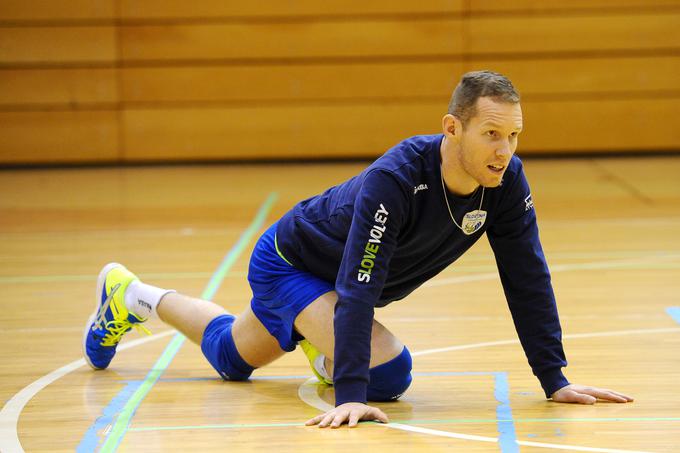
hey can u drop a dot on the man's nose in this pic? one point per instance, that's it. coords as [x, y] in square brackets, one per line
[504, 149]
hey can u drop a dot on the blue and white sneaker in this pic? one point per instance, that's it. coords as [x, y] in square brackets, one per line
[111, 319]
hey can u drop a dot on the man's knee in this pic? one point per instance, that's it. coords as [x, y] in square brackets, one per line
[219, 348]
[391, 379]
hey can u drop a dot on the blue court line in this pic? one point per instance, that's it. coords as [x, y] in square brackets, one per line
[92, 438]
[674, 312]
[505, 423]
[507, 438]
[126, 407]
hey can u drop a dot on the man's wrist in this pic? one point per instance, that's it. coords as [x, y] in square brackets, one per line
[552, 380]
[350, 391]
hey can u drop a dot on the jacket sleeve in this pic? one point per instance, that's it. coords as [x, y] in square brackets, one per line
[380, 208]
[526, 281]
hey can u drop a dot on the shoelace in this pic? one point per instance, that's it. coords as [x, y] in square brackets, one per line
[116, 329]
[101, 319]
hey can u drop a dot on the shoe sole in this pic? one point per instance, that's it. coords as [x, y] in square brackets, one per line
[101, 281]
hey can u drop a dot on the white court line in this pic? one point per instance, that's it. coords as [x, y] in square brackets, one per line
[612, 333]
[9, 416]
[308, 393]
[574, 447]
[310, 396]
[613, 264]
[41, 330]
[634, 221]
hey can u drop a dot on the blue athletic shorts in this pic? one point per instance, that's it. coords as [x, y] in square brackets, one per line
[280, 291]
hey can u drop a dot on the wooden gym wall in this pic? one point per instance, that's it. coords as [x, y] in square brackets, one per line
[167, 80]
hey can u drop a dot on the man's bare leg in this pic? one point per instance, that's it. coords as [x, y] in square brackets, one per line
[315, 323]
[191, 316]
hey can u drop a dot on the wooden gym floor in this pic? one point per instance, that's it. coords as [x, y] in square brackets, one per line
[610, 229]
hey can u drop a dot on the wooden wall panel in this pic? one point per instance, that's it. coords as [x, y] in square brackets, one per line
[356, 38]
[17, 10]
[595, 77]
[216, 8]
[370, 129]
[292, 83]
[75, 136]
[66, 88]
[274, 132]
[212, 80]
[478, 6]
[57, 45]
[533, 34]
[600, 125]
[559, 78]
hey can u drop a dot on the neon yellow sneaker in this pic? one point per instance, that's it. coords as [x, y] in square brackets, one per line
[110, 319]
[315, 357]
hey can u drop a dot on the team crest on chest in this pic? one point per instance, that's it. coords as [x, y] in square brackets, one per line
[473, 221]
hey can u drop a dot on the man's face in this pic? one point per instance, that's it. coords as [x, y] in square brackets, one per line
[489, 140]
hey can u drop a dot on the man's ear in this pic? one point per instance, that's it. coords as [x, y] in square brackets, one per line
[451, 127]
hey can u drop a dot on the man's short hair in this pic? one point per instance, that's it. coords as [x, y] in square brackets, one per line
[477, 84]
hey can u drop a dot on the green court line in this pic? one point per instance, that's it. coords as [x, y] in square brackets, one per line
[121, 424]
[467, 269]
[225, 426]
[90, 277]
[543, 420]
[414, 422]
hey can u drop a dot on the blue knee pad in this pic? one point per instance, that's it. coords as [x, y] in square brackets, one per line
[219, 348]
[390, 380]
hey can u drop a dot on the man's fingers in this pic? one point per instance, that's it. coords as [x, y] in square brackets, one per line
[327, 419]
[583, 398]
[588, 395]
[611, 396]
[620, 397]
[339, 419]
[315, 420]
[604, 394]
[572, 396]
[350, 413]
[608, 395]
[379, 415]
[629, 399]
[354, 418]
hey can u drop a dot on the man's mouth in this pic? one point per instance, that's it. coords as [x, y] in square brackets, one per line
[496, 168]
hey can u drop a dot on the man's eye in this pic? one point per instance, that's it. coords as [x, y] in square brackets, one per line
[491, 133]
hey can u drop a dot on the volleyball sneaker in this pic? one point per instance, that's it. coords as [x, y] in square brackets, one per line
[316, 360]
[110, 319]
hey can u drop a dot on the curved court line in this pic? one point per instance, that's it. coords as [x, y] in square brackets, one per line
[115, 436]
[9, 415]
[308, 393]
